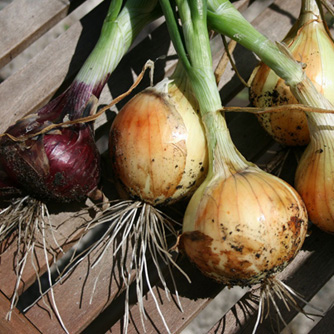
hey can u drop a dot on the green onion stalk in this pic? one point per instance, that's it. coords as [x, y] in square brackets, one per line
[242, 226]
[51, 162]
[314, 175]
[225, 19]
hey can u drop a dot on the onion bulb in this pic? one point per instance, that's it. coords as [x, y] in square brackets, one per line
[243, 225]
[314, 179]
[244, 228]
[62, 165]
[157, 145]
[158, 156]
[309, 42]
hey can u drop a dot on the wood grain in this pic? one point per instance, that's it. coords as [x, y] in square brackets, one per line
[31, 87]
[326, 324]
[23, 21]
[18, 323]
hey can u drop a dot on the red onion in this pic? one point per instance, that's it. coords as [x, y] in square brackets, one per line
[62, 164]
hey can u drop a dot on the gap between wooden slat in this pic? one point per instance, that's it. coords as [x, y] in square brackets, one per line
[18, 324]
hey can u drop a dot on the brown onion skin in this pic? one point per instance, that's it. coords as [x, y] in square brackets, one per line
[310, 43]
[244, 229]
[149, 152]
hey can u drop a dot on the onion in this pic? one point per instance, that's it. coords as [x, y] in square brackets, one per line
[242, 225]
[157, 145]
[309, 42]
[314, 177]
[62, 165]
[158, 156]
[244, 228]
[51, 155]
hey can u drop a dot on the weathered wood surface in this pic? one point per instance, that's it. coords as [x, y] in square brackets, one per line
[325, 325]
[24, 21]
[18, 324]
[48, 74]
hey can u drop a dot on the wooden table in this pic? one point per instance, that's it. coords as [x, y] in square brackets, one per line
[46, 75]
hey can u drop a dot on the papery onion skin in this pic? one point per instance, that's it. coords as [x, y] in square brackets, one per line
[314, 179]
[158, 147]
[245, 228]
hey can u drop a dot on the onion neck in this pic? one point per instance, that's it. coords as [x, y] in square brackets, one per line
[309, 11]
[119, 29]
[321, 127]
[224, 158]
[117, 34]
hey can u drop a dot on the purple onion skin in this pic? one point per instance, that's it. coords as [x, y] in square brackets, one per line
[74, 103]
[62, 164]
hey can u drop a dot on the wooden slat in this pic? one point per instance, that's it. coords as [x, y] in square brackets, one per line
[18, 323]
[24, 21]
[32, 86]
[74, 295]
[325, 325]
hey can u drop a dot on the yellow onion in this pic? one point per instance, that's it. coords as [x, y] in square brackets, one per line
[309, 42]
[158, 156]
[314, 179]
[157, 144]
[243, 225]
